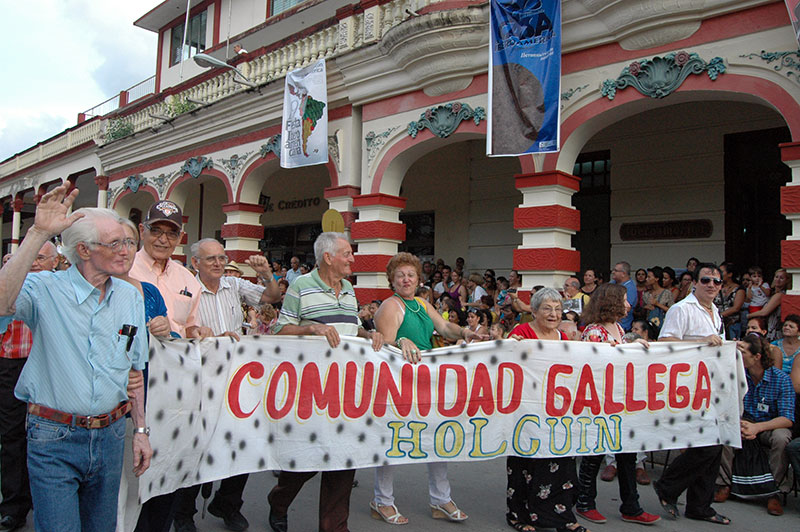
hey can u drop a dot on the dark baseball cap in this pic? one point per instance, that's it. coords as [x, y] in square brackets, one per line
[165, 211]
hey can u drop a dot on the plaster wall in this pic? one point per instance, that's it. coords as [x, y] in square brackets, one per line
[473, 198]
[668, 164]
[244, 15]
[296, 185]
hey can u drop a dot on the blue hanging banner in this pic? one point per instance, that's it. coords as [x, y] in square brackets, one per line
[524, 77]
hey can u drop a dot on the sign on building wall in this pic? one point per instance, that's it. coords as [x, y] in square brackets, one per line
[220, 408]
[524, 77]
[794, 15]
[304, 132]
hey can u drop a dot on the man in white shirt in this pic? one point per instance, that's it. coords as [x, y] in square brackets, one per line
[219, 313]
[294, 272]
[694, 319]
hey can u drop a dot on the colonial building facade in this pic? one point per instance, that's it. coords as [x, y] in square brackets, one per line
[679, 138]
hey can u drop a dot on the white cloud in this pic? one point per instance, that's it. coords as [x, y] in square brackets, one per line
[60, 58]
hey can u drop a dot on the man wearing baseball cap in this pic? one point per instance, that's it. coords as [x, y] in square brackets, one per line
[161, 231]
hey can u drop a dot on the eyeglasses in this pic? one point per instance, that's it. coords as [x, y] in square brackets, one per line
[42, 258]
[117, 245]
[706, 280]
[214, 258]
[157, 232]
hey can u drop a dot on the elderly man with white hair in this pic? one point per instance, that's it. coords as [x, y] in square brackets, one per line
[88, 333]
[321, 303]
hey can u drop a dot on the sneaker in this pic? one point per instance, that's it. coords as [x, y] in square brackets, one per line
[591, 515]
[609, 473]
[643, 518]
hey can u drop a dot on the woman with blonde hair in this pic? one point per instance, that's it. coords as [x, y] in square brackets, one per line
[408, 322]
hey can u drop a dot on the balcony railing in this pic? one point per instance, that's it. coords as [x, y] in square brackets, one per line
[355, 31]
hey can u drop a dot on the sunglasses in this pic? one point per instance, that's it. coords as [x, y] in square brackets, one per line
[706, 280]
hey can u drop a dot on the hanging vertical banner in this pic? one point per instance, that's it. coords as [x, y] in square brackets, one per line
[794, 15]
[305, 117]
[524, 77]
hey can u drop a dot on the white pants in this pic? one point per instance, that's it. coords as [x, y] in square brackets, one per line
[438, 485]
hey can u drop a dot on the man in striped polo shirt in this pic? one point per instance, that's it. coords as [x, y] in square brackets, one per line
[321, 303]
[219, 313]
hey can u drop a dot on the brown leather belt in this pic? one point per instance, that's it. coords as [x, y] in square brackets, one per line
[86, 422]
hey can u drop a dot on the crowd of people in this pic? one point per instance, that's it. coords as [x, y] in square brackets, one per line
[118, 282]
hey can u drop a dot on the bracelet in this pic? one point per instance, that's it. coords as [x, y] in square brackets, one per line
[397, 342]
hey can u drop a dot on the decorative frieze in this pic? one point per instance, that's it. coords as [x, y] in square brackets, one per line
[661, 76]
[445, 119]
[195, 166]
[376, 141]
[273, 146]
[786, 60]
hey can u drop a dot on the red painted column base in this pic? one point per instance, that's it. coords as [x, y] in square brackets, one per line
[790, 304]
[365, 295]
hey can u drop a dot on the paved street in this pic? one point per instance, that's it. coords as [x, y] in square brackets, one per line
[479, 489]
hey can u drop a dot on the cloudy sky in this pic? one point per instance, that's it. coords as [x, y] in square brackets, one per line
[61, 57]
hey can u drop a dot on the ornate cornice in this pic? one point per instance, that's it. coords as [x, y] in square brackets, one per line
[661, 76]
[443, 120]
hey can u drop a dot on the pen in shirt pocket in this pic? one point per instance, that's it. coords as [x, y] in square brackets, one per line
[185, 292]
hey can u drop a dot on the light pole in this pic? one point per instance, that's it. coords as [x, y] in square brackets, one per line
[207, 61]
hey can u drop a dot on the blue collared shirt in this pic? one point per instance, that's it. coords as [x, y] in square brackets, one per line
[773, 396]
[78, 363]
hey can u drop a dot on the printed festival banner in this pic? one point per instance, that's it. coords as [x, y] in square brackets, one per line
[794, 15]
[219, 408]
[304, 134]
[524, 77]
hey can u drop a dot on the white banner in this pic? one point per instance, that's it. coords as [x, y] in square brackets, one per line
[220, 408]
[304, 134]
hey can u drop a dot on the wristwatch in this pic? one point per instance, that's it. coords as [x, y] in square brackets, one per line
[142, 430]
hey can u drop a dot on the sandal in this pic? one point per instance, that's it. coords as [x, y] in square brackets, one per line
[669, 507]
[520, 526]
[717, 519]
[438, 512]
[395, 519]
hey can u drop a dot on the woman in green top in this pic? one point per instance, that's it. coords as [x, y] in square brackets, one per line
[408, 322]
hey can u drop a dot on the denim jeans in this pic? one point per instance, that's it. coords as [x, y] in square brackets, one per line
[74, 475]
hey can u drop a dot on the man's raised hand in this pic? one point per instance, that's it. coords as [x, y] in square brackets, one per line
[51, 212]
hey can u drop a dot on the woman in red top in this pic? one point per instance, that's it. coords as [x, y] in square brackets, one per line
[541, 491]
[607, 307]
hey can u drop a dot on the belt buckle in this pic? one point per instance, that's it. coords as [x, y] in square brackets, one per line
[99, 422]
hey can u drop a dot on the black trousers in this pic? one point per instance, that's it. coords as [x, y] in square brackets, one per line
[694, 471]
[13, 443]
[228, 497]
[626, 477]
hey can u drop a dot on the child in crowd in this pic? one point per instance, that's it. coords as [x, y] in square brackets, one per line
[759, 291]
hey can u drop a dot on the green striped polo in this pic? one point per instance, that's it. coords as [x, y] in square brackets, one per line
[309, 300]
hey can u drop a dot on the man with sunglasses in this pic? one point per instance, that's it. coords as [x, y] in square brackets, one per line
[160, 234]
[694, 319]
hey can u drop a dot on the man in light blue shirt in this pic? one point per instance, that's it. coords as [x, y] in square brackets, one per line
[88, 333]
[621, 274]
